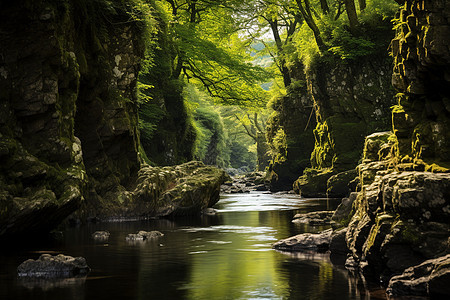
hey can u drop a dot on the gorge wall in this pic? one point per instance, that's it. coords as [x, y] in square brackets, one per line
[69, 134]
[318, 129]
[67, 93]
[400, 216]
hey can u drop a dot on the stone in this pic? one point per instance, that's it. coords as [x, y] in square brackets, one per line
[306, 241]
[338, 247]
[143, 236]
[339, 185]
[313, 183]
[314, 218]
[49, 266]
[343, 212]
[101, 235]
[430, 278]
[178, 190]
[209, 211]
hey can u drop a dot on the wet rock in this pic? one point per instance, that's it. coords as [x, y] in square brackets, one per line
[53, 266]
[177, 190]
[209, 211]
[314, 218]
[143, 236]
[313, 183]
[340, 185]
[306, 241]
[343, 212]
[431, 278]
[101, 235]
[338, 247]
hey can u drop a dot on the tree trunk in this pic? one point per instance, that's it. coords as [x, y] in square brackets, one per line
[306, 14]
[324, 6]
[282, 62]
[351, 13]
[362, 5]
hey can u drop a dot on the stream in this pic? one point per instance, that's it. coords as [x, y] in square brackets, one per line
[226, 256]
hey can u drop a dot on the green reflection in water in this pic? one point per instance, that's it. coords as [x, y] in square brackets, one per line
[245, 267]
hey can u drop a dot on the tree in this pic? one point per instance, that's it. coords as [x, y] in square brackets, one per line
[351, 14]
[209, 52]
[255, 127]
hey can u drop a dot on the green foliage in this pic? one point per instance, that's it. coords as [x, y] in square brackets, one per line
[347, 46]
[149, 117]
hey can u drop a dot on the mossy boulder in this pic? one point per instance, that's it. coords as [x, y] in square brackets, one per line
[341, 184]
[313, 183]
[180, 190]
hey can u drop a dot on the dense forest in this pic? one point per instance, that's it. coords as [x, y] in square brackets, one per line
[144, 109]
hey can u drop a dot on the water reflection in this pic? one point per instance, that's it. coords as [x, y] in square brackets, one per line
[227, 256]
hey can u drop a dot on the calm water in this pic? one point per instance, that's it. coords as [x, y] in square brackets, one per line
[227, 256]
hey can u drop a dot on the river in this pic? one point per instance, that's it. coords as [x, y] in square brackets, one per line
[226, 256]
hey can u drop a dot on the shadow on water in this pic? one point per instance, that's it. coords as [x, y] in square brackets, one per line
[226, 256]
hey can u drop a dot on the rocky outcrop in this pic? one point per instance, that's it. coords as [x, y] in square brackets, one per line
[290, 137]
[48, 266]
[180, 190]
[69, 133]
[401, 214]
[351, 100]
[430, 278]
[421, 118]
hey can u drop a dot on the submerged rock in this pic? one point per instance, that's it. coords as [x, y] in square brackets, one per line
[314, 218]
[209, 211]
[143, 236]
[306, 241]
[53, 266]
[101, 235]
[431, 278]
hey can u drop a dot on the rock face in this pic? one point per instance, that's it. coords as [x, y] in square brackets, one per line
[430, 278]
[422, 64]
[68, 114]
[169, 136]
[49, 266]
[351, 100]
[401, 215]
[289, 132]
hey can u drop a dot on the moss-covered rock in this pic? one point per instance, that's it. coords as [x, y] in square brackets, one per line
[289, 134]
[313, 183]
[421, 119]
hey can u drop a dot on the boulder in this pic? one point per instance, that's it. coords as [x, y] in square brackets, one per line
[176, 190]
[306, 241]
[430, 278]
[340, 185]
[101, 235]
[313, 183]
[49, 266]
[338, 247]
[314, 218]
[343, 212]
[143, 236]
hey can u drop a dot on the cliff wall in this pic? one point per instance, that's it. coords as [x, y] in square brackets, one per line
[400, 216]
